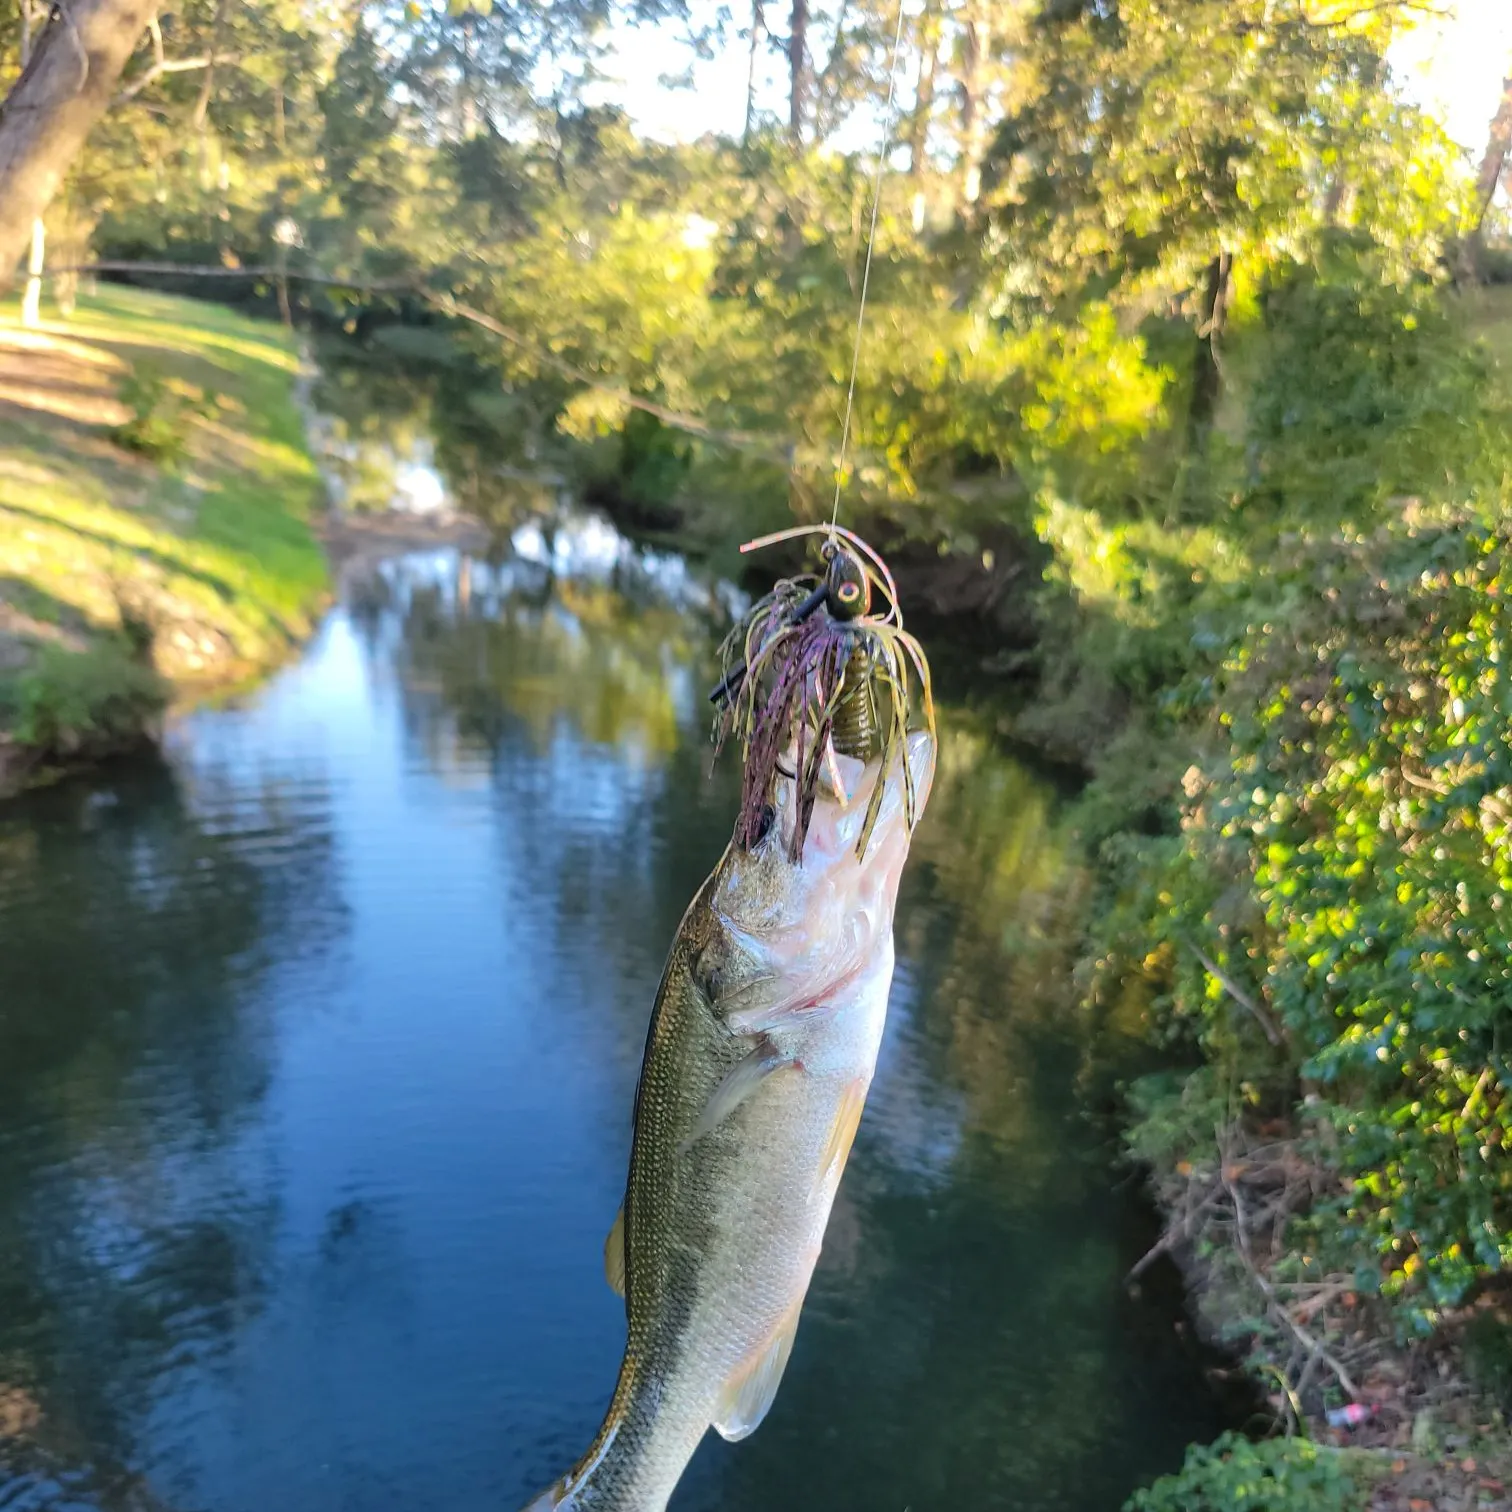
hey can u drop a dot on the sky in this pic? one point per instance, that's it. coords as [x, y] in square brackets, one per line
[641, 56]
[1453, 66]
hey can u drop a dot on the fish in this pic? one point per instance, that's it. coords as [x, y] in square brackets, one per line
[760, 1053]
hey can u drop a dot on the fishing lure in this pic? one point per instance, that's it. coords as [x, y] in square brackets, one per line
[814, 669]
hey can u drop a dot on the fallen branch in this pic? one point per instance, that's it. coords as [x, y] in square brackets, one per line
[1314, 1346]
[1175, 1234]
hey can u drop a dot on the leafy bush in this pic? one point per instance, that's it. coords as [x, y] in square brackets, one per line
[1488, 1357]
[1364, 389]
[74, 703]
[163, 410]
[1278, 1475]
[1344, 877]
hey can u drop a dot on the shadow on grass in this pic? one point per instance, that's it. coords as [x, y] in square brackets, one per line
[36, 604]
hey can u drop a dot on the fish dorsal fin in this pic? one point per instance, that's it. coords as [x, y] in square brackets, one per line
[614, 1254]
[749, 1393]
[742, 1080]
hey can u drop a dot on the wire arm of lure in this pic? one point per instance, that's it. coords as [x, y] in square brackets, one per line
[877, 569]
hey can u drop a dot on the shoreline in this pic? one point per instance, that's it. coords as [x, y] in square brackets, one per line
[166, 534]
[352, 544]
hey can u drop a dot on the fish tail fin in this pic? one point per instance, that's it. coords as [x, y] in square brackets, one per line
[567, 1494]
[556, 1498]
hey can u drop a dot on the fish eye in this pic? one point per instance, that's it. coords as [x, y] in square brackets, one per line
[849, 593]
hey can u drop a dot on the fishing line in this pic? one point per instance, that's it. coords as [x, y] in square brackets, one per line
[888, 122]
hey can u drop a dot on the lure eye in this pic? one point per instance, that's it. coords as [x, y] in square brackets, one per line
[847, 591]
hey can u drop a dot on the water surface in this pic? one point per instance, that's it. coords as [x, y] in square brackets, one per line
[318, 1040]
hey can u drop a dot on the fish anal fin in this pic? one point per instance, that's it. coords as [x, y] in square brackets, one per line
[842, 1131]
[614, 1254]
[749, 1393]
[743, 1079]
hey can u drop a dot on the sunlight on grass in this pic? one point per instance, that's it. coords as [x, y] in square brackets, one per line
[196, 522]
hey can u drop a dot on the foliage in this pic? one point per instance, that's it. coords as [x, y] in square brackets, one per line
[1154, 134]
[1365, 389]
[162, 411]
[1342, 875]
[1371, 783]
[1275, 1475]
[77, 703]
[1488, 1357]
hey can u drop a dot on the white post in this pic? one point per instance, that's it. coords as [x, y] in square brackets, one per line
[31, 301]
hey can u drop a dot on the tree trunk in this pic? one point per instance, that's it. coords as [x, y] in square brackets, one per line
[758, 27]
[1493, 164]
[1335, 201]
[1207, 373]
[53, 105]
[975, 51]
[918, 134]
[31, 300]
[200, 119]
[798, 71]
[281, 283]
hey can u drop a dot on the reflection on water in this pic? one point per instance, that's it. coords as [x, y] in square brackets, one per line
[317, 1048]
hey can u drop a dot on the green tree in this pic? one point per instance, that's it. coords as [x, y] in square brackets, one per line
[1158, 145]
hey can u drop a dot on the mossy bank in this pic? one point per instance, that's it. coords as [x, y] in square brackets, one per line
[158, 507]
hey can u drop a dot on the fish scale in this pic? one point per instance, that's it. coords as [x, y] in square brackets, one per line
[760, 1051]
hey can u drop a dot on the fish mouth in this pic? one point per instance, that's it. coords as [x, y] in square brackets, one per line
[805, 928]
[846, 791]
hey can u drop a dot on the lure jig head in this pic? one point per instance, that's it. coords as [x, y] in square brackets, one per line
[821, 674]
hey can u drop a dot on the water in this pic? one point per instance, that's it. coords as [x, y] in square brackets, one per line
[317, 1047]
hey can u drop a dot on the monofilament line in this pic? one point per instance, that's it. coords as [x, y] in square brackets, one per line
[871, 241]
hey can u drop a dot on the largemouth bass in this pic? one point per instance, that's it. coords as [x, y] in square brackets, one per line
[761, 1050]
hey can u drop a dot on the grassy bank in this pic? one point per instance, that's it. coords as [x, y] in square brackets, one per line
[156, 505]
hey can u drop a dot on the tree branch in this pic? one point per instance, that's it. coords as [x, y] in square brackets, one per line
[66, 15]
[168, 66]
[1235, 991]
[207, 87]
[770, 448]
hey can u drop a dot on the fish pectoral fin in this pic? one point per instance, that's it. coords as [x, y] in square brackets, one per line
[842, 1131]
[749, 1393]
[738, 1085]
[756, 1014]
[614, 1254]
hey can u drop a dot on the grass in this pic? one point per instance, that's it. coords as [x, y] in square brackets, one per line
[156, 509]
